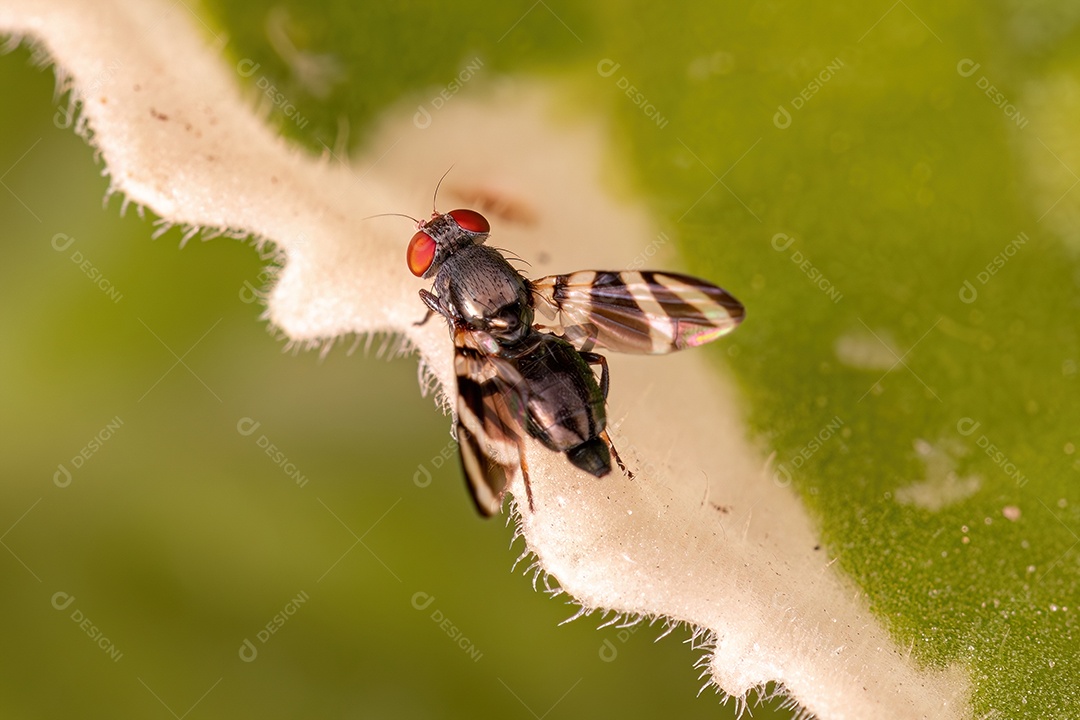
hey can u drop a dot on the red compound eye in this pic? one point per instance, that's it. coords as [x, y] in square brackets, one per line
[420, 254]
[471, 220]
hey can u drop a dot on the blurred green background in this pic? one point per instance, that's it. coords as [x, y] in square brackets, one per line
[865, 135]
[179, 537]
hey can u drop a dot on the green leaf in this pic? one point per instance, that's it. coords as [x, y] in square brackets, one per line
[888, 190]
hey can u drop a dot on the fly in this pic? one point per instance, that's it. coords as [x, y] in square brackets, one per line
[524, 350]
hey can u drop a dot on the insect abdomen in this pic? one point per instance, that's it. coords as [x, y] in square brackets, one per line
[565, 406]
[592, 456]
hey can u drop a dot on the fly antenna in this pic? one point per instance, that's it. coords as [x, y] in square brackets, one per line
[435, 196]
[410, 217]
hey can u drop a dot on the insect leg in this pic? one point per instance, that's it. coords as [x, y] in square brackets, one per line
[432, 302]
[622, 466]
[598, 359]
[525, 473]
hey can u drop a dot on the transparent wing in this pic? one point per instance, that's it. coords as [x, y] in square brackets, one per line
[645, 311]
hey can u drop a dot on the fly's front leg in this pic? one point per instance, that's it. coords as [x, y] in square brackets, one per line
[598, 359]
[432, 302]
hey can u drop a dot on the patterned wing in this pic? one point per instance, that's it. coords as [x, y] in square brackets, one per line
[489, 428]
[648, 311]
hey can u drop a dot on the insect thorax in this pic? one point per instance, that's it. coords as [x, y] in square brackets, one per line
[479, 289]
